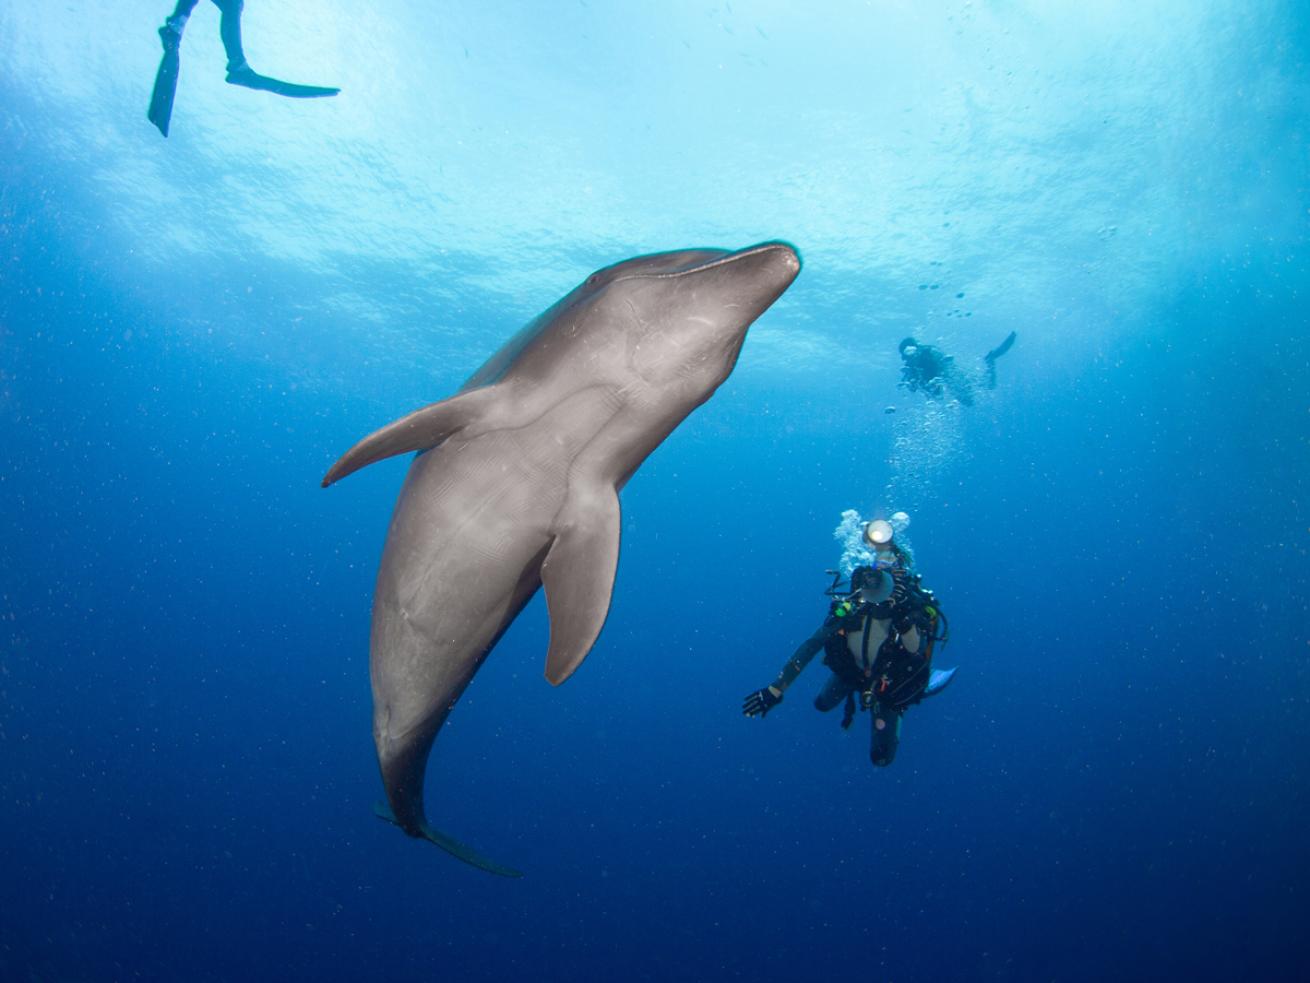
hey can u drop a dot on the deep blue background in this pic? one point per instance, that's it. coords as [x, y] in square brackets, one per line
[1116, 785]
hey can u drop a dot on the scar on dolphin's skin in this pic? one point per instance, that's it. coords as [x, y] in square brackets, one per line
[519, 485]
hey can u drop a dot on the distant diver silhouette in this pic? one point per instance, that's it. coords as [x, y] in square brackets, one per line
[239, 71]
[931, 371]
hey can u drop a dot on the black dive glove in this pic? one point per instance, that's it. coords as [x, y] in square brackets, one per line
[760, 702]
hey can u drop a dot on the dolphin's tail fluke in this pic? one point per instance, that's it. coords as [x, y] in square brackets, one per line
[451, 845]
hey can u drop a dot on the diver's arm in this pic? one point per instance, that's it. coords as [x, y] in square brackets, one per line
[804, 654]
[760, 702]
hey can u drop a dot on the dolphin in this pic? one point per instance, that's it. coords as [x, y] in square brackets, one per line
[516, 485]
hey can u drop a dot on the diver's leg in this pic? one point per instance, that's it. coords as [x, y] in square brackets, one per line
[991, 357]
[229, 29]
[886, 734]
[833, 692]
[239, 71]
[174, 23]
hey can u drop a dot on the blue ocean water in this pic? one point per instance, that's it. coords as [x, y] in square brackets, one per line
[193, 329]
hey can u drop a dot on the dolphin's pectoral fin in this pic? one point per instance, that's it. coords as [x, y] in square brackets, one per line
[578, 574]
[418, 431]
[450, 845]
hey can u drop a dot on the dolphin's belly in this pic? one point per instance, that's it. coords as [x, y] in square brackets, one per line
[462, 557]
[471, 528]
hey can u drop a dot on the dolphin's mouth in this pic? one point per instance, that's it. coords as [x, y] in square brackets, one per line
[786, 251]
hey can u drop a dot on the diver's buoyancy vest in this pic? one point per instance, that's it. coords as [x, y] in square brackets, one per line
[887, 648]
[875, 631]
[863, 642]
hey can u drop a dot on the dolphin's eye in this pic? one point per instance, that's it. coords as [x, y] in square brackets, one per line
[593, 279]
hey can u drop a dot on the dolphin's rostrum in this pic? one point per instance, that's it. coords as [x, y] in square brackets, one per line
[519, 484]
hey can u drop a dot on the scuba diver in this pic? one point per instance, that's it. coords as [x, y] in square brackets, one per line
[878, 640]
[932, 371]
[239, 71]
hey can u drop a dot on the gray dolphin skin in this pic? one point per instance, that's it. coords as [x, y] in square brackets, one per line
[518, 486]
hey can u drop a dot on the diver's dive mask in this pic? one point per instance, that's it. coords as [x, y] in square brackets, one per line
[869, 585]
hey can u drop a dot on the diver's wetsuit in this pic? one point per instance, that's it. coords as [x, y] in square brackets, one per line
[870, 660]
[930, 370]
[927, 370]
[229, 28]
[239, 71]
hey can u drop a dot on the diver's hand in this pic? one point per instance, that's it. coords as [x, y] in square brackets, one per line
[761, 702]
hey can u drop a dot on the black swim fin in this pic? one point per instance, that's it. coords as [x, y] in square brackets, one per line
[1002, 348]
[244, 75]
[161, 99]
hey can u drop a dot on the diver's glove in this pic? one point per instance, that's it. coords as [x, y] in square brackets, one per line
[761, 702]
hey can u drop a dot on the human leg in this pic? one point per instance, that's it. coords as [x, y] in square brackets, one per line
[239, 71]
[886, 734]
[833, 692]
[991, 357]
[174, 23]
[229, 29]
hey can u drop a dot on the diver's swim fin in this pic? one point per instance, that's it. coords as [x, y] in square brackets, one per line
[246, 76]
[450, 845]
[938, 680]
[161, 99]
[1002, 348]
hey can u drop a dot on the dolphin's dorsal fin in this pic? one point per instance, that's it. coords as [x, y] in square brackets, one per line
[578, 574]
[418, 431]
